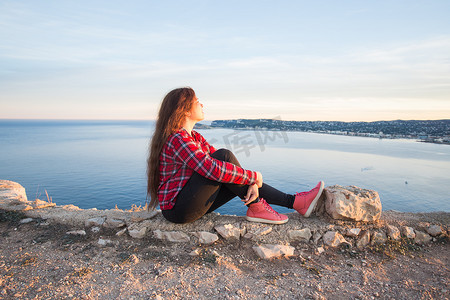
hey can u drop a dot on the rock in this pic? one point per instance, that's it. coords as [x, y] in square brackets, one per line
[300, 235]
[320, 207]
[138, 230]
[10, 190]
[352, 203]
[316, 237]
[422, 237]
[121, 232]
[248, 236]
[364, 240]
[268, 251]
[94, 222]
[393, 232]
[113, 223]
[353, 232]
[257, 230]
[95, 229]
[103, 242]
[26, 221]
[262, 231]
[228, 231]
[408, 232]
[320, 250]
[333, 238]
[76, 232]
[434, 230]
[378, 238]
[13, 196]
[206, 237]
[139, 216]
[172, 236]
[195, 252]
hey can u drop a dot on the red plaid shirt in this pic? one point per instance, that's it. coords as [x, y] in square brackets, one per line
[182, 155]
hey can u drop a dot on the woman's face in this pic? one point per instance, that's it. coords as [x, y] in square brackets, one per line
[196, 113]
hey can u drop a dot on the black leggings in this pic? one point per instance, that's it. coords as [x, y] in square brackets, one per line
[201, 195]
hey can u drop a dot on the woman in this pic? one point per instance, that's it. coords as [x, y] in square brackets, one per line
[189, 178]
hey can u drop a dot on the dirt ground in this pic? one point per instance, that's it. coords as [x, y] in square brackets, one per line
[41, 261]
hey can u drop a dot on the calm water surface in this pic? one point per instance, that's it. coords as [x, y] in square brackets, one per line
[102, 163]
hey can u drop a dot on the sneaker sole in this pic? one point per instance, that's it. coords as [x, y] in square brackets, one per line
[314, 202]
[259, 220]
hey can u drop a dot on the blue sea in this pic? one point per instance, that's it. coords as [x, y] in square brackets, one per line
[103, 163]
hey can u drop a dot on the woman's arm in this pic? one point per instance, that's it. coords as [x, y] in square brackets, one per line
[198, 136]
[186, 150]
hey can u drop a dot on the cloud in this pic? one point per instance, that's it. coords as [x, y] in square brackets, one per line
[76, 52]
[439, 46]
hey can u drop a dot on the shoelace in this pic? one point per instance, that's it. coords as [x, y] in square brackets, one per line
[301, 194]
[306, 193]
[268, 207]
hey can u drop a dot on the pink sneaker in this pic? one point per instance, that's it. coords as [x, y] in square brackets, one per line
[263, 213]
[305, 202]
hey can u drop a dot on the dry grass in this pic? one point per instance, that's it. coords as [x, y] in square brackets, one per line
[49, 199]
[81, 272]
[134, 208]
[38, 195]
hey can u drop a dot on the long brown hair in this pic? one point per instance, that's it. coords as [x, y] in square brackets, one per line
[171, 116]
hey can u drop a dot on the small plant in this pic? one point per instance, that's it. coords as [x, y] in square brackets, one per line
[124, 257]
[81, 272]
[11, 216]
[28, 261]
[77, 273]
[38, 195]
[135, 208]
[393, 247]
[443, 239]
[314, 270]
[49, 199]
[271, 278]
[208, 257]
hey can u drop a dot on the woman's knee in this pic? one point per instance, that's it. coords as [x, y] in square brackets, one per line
[224, 155]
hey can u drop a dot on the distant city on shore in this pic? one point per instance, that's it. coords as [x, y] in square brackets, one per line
[431, 131]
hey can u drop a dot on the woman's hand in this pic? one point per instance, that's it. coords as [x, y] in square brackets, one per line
[259, 179]
[252, 194]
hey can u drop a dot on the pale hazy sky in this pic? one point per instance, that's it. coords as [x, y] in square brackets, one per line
[294, 60]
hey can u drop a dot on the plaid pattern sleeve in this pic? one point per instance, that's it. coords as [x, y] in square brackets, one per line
[203, 142]
[182, 155]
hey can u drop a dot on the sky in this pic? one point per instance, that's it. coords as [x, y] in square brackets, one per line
[290, 60]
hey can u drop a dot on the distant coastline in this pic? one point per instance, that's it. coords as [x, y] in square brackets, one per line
[428, 131]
